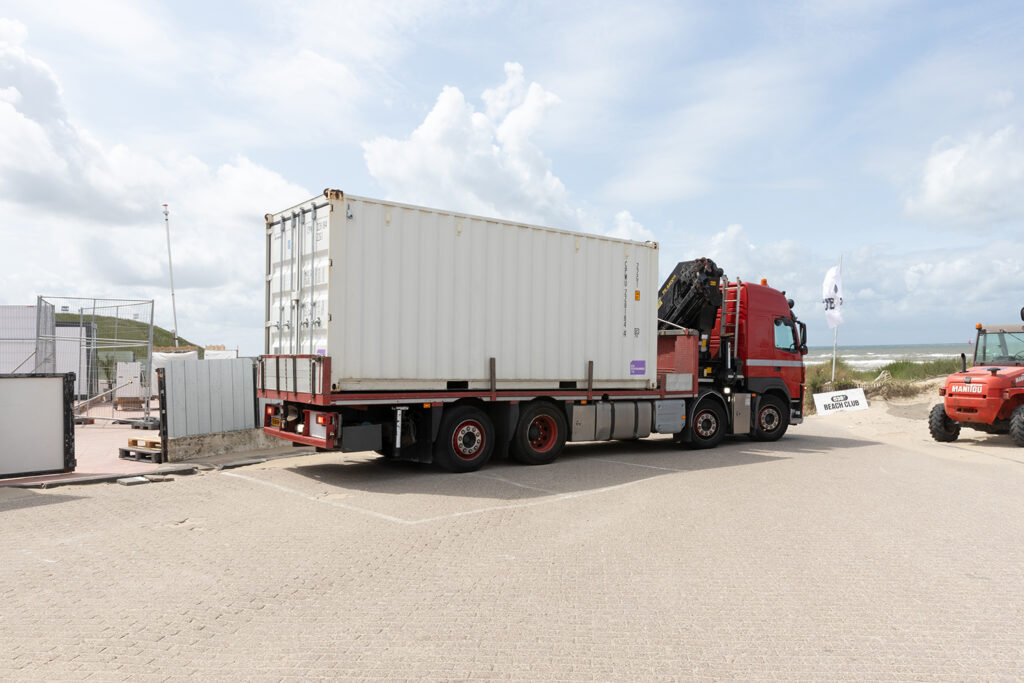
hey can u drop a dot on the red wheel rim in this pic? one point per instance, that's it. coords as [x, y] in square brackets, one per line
[706, 424]
[769, 419]
[468, 440]
[542, 433]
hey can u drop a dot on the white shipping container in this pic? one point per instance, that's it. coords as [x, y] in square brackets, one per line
[409, 298]
[129, 380]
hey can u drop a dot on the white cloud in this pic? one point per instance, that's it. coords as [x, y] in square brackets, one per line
[370, 31]
[138, 35]
[1001, 98]
[627, 228]
[485, 162]
[463, 159]
[89, 221]
[974, 181]
[12, 32]
[723, 106]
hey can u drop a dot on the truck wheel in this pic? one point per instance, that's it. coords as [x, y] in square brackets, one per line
[1017, 425]
[941, 426]
[707, 427]
[540, 434]
[465, 441]
[772, 419]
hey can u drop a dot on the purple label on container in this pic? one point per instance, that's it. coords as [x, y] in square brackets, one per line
[321, 352]
[638, 367]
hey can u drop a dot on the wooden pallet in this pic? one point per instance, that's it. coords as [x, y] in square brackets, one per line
[144, 443]
[154, 455]
[128, 403]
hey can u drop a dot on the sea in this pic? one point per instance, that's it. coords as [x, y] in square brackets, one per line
[874, 357]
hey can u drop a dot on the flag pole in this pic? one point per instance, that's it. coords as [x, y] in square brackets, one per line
[835, 332]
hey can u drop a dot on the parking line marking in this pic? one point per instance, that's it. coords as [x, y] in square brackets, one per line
[634, 464]
[530, 504]
[453, 515]
[337, 504]
[513, 483]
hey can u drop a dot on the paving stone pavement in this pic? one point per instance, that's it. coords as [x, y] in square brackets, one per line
[823, 556]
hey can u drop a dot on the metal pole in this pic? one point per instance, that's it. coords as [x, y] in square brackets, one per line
[170, 270]
[835, 342]
[149, 356]
[835, 330]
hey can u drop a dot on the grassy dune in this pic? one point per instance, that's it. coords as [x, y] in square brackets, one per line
[891, 381]
[109, 327]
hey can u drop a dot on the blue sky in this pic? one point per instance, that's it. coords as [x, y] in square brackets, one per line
[771, 136]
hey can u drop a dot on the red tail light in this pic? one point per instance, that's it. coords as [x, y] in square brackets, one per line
[322, 419]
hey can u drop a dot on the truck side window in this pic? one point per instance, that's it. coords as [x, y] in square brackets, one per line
[785, 335]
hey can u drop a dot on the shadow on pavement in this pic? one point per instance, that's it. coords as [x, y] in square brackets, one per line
[582, 467]
[808, 443]
[18, 499]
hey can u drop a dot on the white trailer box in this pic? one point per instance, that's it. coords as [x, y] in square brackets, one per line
[408, 298]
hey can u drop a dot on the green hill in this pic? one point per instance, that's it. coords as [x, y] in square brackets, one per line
[109, 328]
[116, 340]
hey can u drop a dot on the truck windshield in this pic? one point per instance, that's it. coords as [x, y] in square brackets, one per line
[999, 347]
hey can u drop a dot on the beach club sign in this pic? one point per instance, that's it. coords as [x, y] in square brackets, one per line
[839, 401]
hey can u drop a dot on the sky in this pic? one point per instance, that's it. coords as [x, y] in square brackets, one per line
[773, 137]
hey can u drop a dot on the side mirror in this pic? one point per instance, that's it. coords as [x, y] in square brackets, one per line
[803, 349]
[1022, 314]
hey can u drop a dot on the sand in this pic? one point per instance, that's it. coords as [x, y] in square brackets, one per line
[903, 423]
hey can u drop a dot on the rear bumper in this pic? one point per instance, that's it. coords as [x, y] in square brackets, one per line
[298, 438]
[982, 411]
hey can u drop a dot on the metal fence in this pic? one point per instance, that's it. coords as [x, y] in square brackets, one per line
[106, 343]
[208, 396]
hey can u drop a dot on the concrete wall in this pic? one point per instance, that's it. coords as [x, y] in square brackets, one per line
[210, 445]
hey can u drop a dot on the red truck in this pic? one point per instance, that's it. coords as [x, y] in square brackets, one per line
[493, 337]
[988, 396]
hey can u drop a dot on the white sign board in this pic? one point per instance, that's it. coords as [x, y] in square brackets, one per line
[839, 401]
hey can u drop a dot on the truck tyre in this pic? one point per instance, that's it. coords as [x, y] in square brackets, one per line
[1017, 425]
[941, 426]
[540, 434]
[465, 441]
[772, 419]
[707, 427]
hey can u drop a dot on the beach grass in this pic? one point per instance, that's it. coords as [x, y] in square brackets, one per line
[895, 380]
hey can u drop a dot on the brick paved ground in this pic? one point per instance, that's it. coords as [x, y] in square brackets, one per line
[827, 555]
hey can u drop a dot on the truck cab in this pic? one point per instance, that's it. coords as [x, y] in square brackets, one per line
[757, 348]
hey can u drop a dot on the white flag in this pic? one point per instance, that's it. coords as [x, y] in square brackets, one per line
[832, 296]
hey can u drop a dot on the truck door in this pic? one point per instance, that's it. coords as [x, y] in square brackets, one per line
[790, 365]
[773, 352]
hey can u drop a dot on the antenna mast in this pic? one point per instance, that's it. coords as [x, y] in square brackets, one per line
[170, 269]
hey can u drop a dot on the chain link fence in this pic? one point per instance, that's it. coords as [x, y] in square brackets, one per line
[107, 343]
